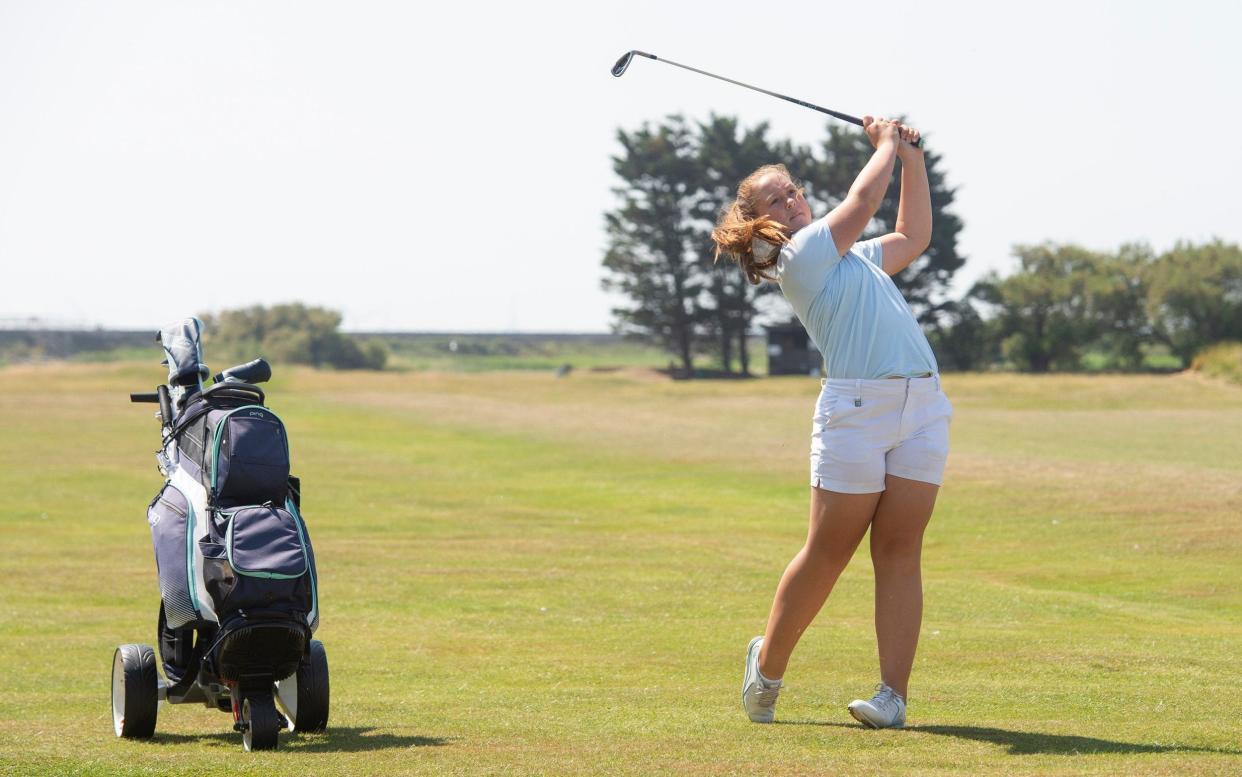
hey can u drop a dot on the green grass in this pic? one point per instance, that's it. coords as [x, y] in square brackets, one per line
[479, 353]
[1156, 358]
[522, 574]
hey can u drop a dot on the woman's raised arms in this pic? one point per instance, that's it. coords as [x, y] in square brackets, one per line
[912, 232]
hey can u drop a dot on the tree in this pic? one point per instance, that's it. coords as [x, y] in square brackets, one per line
[1194, 296]
[961, 338]
[1118, 288]
[1047, 310]
[651, 243]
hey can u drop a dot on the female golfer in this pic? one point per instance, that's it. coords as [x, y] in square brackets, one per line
[880, 431]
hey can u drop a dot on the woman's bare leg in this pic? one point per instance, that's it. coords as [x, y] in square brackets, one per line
[903, 512]
[837, 524]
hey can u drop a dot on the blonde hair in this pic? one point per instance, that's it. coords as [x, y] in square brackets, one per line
[739, 226]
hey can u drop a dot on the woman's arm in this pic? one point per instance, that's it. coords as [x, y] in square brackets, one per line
[912, 233]
[848, 220]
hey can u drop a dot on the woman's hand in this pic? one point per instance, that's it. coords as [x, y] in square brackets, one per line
[908, 149]
[880, 131]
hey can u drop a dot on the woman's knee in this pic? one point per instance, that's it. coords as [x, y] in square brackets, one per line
[827, 553]
[898, 550]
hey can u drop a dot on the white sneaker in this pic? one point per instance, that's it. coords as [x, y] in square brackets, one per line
[758, 693]
[885, 710]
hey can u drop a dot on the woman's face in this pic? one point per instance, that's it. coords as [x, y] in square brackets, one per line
[776, 197]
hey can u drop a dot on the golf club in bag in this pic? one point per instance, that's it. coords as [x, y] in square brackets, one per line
[238, 589]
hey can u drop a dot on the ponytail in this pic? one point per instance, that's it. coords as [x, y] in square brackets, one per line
[753, 243]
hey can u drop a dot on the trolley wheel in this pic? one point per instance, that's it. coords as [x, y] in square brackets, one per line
[260, 723]
[135, 691]
[304, 695]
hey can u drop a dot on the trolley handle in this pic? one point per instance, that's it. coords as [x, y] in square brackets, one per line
[159, 397]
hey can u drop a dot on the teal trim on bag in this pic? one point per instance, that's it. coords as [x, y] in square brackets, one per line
[228, 549]
[191, 577]
[293, 509]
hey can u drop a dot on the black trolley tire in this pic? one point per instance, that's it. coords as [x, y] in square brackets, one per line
[261, 723]
[313, 690]
[135, 691]
[309, 713]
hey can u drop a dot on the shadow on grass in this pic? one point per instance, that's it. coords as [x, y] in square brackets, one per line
[1036, 743]
[334, 740]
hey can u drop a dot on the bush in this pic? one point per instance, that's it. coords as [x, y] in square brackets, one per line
[1223, 360]
[293, 334]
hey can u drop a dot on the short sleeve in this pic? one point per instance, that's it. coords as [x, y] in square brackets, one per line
[871, 250]
[805, 263]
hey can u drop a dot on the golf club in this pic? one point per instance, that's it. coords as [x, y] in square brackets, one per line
[624, 62]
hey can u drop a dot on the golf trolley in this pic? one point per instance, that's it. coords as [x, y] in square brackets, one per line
[238, 588]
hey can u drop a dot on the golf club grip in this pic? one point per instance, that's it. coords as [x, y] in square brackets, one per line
[835, 114]
[152, 397]
[829, 111]
[257, 371]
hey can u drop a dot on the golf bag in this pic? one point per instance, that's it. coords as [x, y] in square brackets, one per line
[238, 586]
[231, 547]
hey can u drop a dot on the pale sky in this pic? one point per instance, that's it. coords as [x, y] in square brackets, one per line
[446, 166]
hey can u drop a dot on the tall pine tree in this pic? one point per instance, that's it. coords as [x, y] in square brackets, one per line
[651, 252]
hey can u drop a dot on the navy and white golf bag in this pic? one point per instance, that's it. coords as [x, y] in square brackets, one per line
[230, 545]
[238, 589]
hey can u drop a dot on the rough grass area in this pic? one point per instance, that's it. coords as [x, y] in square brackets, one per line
[1223, 360]
[522, 574]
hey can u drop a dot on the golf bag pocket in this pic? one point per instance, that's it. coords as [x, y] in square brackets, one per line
[172, 525]
[257, 558]
[250, 456]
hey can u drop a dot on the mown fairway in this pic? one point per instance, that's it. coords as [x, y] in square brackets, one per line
[526, 575]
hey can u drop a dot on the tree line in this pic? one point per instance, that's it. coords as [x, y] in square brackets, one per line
[1062, 302]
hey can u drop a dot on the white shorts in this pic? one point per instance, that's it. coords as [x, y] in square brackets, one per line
[865, 429]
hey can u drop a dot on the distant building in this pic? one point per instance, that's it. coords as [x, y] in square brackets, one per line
[790, 351]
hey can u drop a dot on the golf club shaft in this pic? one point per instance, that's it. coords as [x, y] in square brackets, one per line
[624, 62]
[794, 100]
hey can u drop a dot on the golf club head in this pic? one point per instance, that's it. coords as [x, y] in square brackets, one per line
[622, 63]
